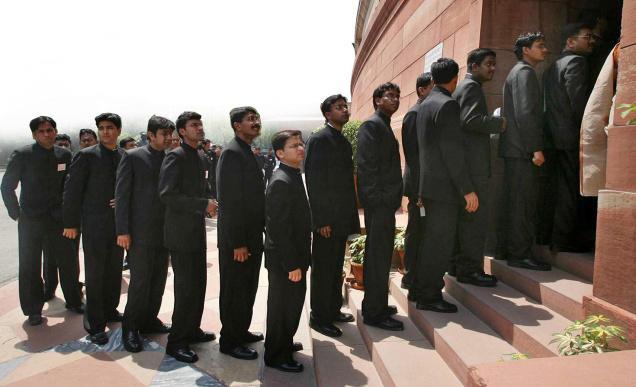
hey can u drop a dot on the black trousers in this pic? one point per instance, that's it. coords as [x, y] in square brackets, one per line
[50, 269]
[547, 197]
[102, 269]
[521, 182]
[34, 236]
[380, 227]
[190, 280]
[412, 238]
[436, 249]
[239, 283]
[148, 273]
[285, 300]
[327, 258]
[472, 229]
[574, 216]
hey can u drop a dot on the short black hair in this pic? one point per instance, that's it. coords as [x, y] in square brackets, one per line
[237, 114]
[423, 80]
[325, 106]
[526, 40]
[184, 117]
[383, 88]
[280, 139]
[62, 136]
[87, 131]
[157, 122]
[478, 56]
[112, 117]
[572, 29]
[124, 141]
[444, 70]
[35, 123]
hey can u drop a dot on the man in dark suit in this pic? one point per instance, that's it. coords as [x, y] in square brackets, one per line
[40, 169]
[241, 195]
[414, 230]
[521, 146]
[270, 164]
[287, 251]
[444, 186]
[477, 126]
[139, 216]
[380, 192]
[184, 191]
[329, 175]
[89, 200]
[567, 88]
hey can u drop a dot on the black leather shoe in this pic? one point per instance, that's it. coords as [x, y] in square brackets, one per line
[254, 337]
[391, 310]
[202, 337]
[440, 306]
[132, 341]
[388, 323]
[115, 317]
[344, 317]
[157, 327]
[76, 309]
[184, 354]
[241, 352]
[326, 329]
[530, 264]
[478, 279]
[411, 297]
[290, 366]
[48, 295]
[100, 338]
[35, 319]
[297, 347]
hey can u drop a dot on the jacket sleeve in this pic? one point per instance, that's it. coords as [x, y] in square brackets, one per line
[367, 157]
[317, 175]
[528, 109]
[231, 197]
[169, 187]
[123, 194]
[451, 147]
[409, 141]
[576, 86]
[74, 190]
[474, 120]
[10, 181]
[280, 223]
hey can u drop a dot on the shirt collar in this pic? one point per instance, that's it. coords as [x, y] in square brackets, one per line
[288, 168]
[242, 143]
[384, 117]
[440, 89]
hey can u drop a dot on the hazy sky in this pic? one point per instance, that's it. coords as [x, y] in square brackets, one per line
[74, 59]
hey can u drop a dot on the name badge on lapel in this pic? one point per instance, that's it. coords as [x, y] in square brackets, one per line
[61, 167]
[206, 174]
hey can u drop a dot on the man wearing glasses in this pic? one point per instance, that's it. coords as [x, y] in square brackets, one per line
[567, 88]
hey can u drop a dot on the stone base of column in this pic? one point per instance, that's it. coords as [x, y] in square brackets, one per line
[619, 316]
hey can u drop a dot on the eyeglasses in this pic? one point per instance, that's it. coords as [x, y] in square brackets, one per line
[588, 36]
[341, 107]
[391, 96]
[296, 146]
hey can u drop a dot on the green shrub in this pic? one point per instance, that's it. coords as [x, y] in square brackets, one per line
[398, 242]
[356, 249]
[350, 131]
[590, 336]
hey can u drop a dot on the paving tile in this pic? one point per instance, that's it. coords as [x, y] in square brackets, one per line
[9, 366]
[143, 365]
[175, 373]
[41, 363]
[338, 365]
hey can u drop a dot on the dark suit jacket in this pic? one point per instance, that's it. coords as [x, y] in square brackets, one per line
[523, 110]
[89, 188]
[241, 194]
[378, 159]
[288, 220]
[185, 192]
[41, 173]
[477, 125]
[443, 172]
[566, 93]
[411, 152]
[138, 209]
[329, 175]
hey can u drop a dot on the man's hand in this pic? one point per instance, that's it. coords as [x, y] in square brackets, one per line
[70, 233]
[324, 232]
[420, 202]
[538, 159]
[123, 241]
[112, 203]
[212, 207]
[241, 254]
[472, 202]
[296, 275]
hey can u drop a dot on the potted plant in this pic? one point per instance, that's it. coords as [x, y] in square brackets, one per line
[398, 246]
[593, 335]
[356, 249]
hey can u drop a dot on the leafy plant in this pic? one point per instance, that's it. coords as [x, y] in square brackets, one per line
[350, 132]
[590, 336]
[398, 242]
[356, 249]
[629, 108]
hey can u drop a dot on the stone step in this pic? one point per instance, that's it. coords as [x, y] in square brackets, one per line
[557, 289]
[579, 264]
[403, 358]
[461, 339]
[521, 321]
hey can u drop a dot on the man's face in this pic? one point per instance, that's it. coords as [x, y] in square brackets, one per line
[423, 92]
[45, 135]
[63, 143]
[87, 140]
[130, 145]
[217, 151]
[108, 133]
[583, 43]
[486, 70]
[161, 140]
[249, 127]
[293, 153]
[193, 131]
[389, 102]
[206, 146]
[175, 140]
[537, 52]
[339, 113]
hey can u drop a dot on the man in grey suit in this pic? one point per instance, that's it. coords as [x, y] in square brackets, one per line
[522, 149]
[567, 88]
